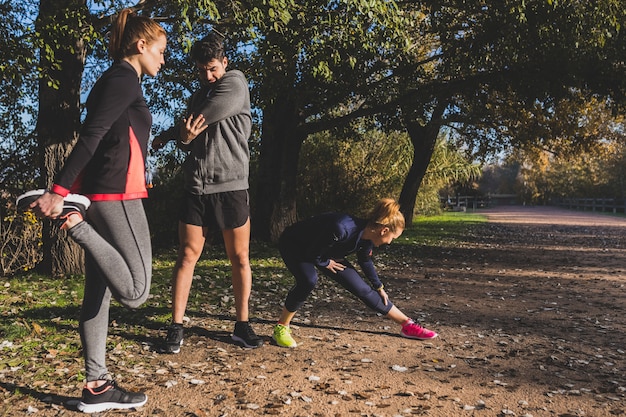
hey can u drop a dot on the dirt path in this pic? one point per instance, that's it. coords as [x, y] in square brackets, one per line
[550, 216]
[531, 311]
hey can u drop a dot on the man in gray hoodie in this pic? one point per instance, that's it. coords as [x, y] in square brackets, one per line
[215, 135]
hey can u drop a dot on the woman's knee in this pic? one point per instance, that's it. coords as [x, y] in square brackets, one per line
[303, 287]
[306, 283]
[134, 303]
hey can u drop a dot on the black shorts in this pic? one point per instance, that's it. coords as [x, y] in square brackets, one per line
[220, 211]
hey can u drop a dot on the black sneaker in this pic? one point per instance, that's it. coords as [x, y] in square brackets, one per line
[245, 335]
[68, 210]
[109, 397]
[72, 204]
[174, 339]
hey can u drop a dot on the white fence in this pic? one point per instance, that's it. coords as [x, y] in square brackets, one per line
[463, 202]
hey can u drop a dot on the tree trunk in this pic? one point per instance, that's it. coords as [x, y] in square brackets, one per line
[58, 120]
[278, 169]
[423, 138]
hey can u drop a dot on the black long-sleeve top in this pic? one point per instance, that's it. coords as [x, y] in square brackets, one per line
[108, 161]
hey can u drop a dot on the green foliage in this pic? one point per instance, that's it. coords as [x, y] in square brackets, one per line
[334, 51]
[346, 171]
[517, 63]
[18, 83]
[448, 167]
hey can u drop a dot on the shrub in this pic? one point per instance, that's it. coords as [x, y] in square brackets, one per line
[20, 239]
[339, 173]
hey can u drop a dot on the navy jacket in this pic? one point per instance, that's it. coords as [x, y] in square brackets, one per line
[333, 236]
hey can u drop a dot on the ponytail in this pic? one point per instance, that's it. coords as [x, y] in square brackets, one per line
[387, 212]
[127, 29]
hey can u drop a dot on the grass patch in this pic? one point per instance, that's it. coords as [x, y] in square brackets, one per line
[445, 230]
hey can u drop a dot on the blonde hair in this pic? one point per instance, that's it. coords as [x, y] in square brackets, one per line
[386, 212]
[128, 29]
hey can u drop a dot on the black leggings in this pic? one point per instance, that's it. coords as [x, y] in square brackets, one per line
[306, 275]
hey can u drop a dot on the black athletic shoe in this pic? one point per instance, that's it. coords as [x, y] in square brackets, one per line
[68, 210]
[72, 204]
[109, 397]
[245, 335]
[174, 339]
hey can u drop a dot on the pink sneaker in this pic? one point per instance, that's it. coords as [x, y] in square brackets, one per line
[412, 330]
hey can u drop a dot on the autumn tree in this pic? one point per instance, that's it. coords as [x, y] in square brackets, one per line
[494, 62]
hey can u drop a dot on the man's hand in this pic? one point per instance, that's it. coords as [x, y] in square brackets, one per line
[191, 127]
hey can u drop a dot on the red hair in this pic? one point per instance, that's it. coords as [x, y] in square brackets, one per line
[128, 29]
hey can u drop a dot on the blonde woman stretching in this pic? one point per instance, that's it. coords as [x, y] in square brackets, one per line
[322, 243]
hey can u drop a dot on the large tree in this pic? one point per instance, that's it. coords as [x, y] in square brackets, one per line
[471, 66]
[493, 62]
[62, 26]
[314, 74]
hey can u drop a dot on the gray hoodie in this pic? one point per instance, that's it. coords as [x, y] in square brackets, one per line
[218, 159]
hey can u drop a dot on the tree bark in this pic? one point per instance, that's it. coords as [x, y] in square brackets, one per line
[278, 169]
[423, 138]
[58, 121]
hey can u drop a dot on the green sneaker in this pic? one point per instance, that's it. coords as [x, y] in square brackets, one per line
[282, 336]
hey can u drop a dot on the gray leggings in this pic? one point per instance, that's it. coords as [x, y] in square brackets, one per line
[118, 262]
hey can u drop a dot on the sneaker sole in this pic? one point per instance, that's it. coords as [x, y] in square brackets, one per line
[418, 338]
[77, 199]
[285, 346]
[172, 348]
[245, 344]
[24, 200]
[96, 408]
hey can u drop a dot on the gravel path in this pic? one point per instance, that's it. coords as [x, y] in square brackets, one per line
[530, 309]
[551, 215]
